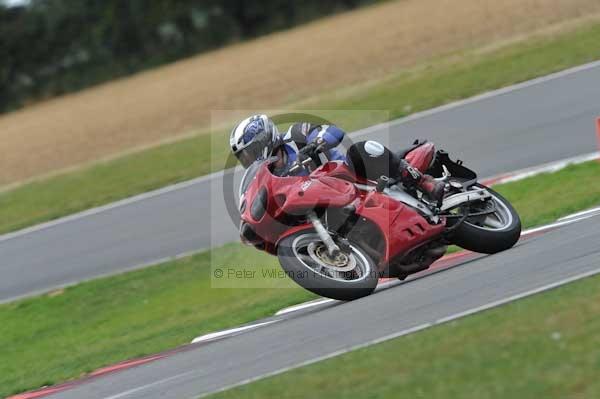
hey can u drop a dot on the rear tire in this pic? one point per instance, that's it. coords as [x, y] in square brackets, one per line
[306, 274]
[477, 238]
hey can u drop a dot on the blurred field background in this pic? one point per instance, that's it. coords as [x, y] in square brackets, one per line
[331, 54]
[151, 129]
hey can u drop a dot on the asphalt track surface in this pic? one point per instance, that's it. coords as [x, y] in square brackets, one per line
[551, 257]
[516, 128]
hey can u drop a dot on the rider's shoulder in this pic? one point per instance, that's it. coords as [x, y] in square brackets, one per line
[301, 129]
[298, 132]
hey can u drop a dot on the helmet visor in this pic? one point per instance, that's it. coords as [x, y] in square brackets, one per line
[260, 147]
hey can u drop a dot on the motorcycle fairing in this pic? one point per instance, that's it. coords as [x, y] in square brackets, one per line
[330, 186]
[402, 227]
[292, 195]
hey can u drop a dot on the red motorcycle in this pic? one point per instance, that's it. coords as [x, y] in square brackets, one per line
[336, 234]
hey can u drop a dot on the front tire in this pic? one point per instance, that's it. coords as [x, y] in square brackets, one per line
[299, 257]
[491, 234]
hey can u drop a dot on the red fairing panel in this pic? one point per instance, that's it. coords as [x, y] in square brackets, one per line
[314, 193]
[267, 227]
[293, 195]
[402, 227]
[336, 169]
[421, 156]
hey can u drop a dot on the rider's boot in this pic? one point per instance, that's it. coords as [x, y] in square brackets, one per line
[431, 188]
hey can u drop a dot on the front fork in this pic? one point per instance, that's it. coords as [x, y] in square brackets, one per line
[332, 248]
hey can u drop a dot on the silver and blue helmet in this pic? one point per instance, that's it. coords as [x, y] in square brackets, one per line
[253, 138]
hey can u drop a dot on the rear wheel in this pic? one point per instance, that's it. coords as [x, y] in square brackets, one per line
[495, 229]
[347, 276]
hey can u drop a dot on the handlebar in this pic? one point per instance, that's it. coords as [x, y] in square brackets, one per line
[297, 165]
[306, 155]
[312, 149]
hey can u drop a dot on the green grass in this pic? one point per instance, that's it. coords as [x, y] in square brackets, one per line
[546, 346]
[448, 80]
[458, 76]
[104, 183]
[544, 198]
[56, 337]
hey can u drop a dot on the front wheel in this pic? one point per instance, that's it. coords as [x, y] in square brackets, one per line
[497, 230]
[348, 276]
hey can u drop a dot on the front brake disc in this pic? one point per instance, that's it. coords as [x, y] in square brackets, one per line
[342, 263]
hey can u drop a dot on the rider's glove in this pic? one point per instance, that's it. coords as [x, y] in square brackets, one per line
[309, 150]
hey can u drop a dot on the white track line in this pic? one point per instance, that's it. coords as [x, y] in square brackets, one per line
[385, 338]
[221, 334]
[518, 296]
[386, 125]
[304, 305]
[232, 331]
[413, 329]
[144, 387]
[579, 214]
[561, 222]
[371, 342]
[480, 97]
[113, 205]
[333, 354]
[550, 167]
[138, 266]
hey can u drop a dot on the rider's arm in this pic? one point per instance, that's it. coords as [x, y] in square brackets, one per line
[331, 135]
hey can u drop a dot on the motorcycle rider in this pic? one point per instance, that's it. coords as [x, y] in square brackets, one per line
[257, 137]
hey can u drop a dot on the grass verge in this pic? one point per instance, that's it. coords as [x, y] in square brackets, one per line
[457, 77]
[59, 336]
[544, 198]
[546, 346]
